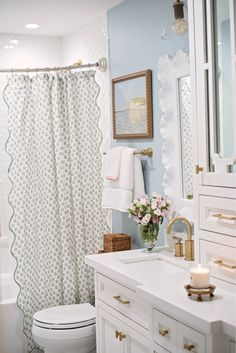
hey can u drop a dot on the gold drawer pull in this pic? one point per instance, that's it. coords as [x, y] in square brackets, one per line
[118, 298]
[163, 333]
[189, 347]
[120, 335]
[222, 216]
[222, 264]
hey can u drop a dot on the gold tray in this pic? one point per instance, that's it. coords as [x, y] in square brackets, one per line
[199, 292]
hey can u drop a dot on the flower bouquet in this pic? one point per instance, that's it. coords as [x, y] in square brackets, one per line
[149, 212]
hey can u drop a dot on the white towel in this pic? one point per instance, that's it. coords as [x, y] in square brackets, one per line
[112, 163]
[119, 194]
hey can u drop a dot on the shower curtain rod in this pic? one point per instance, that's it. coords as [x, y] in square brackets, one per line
[101, 65]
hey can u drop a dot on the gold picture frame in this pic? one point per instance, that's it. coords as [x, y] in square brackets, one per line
[132, 106]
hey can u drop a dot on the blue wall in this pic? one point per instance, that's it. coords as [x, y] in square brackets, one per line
[135, 44]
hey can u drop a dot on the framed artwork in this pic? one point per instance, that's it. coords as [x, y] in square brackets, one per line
[132, 106]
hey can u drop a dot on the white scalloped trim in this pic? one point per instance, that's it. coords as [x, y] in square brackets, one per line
[170, 69]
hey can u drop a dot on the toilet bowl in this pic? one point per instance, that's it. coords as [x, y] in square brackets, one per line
[66, 329]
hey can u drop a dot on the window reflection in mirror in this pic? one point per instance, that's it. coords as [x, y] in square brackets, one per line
[224, 141]
[186, 136]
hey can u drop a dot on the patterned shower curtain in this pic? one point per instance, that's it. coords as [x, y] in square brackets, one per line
[56, 188]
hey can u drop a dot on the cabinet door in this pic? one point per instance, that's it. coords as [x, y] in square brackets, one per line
[165, 331]
[107, 331]
[136, 343]
[189, 340]
[116, 337]
[214, 76]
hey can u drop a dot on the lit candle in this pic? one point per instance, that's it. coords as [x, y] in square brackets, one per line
[199, 277]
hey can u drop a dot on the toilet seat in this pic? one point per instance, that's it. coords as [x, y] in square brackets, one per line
[65, 317]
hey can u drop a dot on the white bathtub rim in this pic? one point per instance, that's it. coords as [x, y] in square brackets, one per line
[8, 301]
[9, 289]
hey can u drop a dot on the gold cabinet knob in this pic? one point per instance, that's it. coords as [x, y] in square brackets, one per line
[120, 335]
[189, 347]
[117, 334]
[163, 333]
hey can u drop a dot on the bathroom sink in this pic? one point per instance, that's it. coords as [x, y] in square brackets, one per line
[147, 265]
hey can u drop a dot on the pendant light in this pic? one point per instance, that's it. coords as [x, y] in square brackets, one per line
[178, 27]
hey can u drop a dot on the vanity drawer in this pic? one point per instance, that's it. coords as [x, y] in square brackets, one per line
[165, 331]
[176, 337]
[190, 340]
[221, 258]
[218, 214]
[124, 300]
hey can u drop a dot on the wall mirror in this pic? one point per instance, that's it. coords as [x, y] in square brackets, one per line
[222, 124]
[176, 130]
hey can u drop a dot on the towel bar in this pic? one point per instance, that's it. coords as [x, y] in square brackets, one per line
[145, 152]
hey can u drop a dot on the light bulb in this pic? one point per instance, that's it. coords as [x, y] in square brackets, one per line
[180, 26]
[32, 26]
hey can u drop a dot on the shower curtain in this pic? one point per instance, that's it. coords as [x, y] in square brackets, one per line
[55, 172]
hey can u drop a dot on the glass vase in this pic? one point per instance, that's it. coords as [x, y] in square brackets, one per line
[149, 234]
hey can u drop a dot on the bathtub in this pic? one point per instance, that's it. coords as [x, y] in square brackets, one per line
[12, 339]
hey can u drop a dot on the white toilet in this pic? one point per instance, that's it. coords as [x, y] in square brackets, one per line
[66, 329]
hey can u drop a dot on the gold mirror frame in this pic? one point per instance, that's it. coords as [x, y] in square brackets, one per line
[147, 74]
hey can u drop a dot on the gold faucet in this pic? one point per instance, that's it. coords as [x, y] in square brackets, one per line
[189, 243]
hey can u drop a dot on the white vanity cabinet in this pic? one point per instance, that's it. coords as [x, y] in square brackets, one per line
[122, 326]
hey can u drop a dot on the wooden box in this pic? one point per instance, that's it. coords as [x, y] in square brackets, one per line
[116, 242]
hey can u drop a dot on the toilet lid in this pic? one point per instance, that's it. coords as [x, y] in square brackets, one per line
[65, 316]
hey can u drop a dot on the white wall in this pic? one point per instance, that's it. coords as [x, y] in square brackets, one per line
[31, 51]
[89, 44]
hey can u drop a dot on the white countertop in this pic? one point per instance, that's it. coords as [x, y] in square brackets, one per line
[162, 284]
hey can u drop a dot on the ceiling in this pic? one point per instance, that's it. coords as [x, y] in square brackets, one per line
[56, 17]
